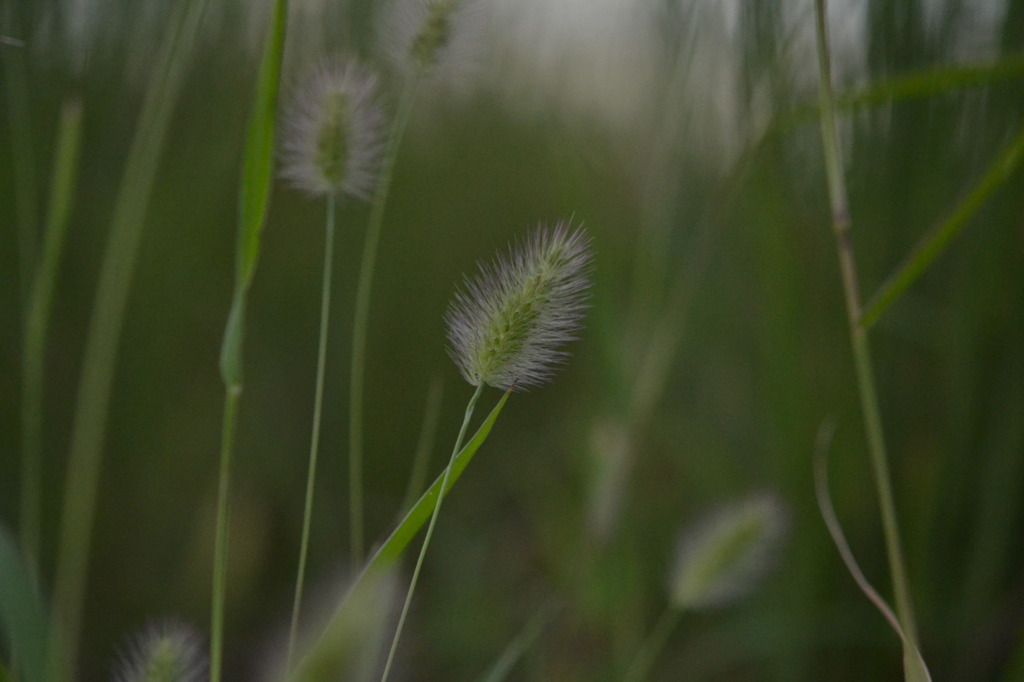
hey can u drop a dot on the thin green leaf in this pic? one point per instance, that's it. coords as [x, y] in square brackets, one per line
[913, 85]
[254, 197]
[22, 612]
[103, 340]
[935, 242]
[65, 168]
[421, 511]
[389, 552]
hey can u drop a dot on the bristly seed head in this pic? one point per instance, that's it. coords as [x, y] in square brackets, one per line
[333, 132]
[432, 37]
[723, 558]
[167, 652]
[506, 326]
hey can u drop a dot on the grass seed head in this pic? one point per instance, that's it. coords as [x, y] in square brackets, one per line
[507, 325]
[333, 132]
[722, 558]
[165, 652]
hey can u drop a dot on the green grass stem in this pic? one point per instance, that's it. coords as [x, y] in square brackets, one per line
[652, 646]
[361, 317]
[257, 176]
[99, 361]
[470, 407]
[318, 400]
[65, 168]
[425, 442]
[935, 242]
[383, 560]
[841, 225]
[220, 555]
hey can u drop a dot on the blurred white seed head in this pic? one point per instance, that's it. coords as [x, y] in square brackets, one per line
[164, 652]
[437, 37]
[507, 324]
[723, 557]
[333, 135]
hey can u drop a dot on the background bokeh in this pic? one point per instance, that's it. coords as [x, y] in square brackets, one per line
[716, 345]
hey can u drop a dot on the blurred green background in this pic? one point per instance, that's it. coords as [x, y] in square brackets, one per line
[716, 345]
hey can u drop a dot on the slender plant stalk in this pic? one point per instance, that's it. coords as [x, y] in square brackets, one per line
[257, 176]
[430, 529]
[220, 561]
[425, 443]
[387, 555]
[65, 165]
[858, 336]
[934, 243]
[361, 318]
[652, 646]
[314, 447]
[116, 274]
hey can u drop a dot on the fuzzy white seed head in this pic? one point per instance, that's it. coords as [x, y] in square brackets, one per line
[333, 132]
[165, 652]
[437, 37]
[722, 558]
[507, 325]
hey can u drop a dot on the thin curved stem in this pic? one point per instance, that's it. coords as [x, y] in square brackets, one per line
[314, 447]
[361, 319]
[858, 337]
[430, 529]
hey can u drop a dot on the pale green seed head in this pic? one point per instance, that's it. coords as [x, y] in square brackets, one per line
[169, 652]
[722, 558]
[332, 137]
[508, 324]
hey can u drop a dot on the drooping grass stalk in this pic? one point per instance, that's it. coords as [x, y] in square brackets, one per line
[104, 334]
[470, 407]
[841, 226]
[425, 442]
[518, 647]
[360, 321]
[934, 243]
[65, 165]
[257, 174]
[314, 447]
[652, 646]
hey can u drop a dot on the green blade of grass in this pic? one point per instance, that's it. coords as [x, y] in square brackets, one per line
[934, 243]
[99, 360]
[913, 85]
[22, 612]
[389, 552]
[254, 199]
[65, 167]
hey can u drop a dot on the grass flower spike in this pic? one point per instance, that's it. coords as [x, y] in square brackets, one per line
[169, 652]
[333, 132]
[722, 558]
[505, 329]
[435, 36]
[506, 326]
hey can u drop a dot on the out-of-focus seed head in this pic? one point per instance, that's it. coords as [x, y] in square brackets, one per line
[333, 132]
[723, 557]
[507, 325]
[431, 36]
[165, 652]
